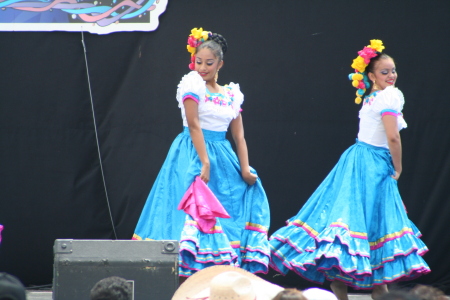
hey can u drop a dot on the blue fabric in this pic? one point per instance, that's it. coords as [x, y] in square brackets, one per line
[240, 240]
[354, 227]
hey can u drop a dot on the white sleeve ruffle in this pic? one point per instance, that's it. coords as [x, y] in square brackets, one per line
[191, 85]
[238, 98]
[390, 98]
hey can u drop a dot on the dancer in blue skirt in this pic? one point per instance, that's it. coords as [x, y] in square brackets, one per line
[354, 229]
[201, 151]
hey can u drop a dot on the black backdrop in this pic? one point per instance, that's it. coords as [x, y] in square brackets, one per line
[291, 59]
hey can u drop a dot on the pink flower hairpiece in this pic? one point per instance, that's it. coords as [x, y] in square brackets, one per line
[195, 39]
[359, 78]
[367, 53]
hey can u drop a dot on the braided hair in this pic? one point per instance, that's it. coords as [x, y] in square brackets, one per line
[216, 43]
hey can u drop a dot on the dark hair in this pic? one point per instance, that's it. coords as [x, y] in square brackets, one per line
[397, 295]
[370, 69]
[111, 288]
[11, 288]
[425, 292]
[290, 294]
[217, 44]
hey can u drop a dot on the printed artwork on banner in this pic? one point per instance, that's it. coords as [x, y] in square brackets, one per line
[95, 16]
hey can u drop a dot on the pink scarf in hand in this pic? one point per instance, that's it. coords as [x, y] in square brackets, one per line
[202, 205]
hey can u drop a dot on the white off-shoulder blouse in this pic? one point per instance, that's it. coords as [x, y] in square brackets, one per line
[215, 110]
[389, 101]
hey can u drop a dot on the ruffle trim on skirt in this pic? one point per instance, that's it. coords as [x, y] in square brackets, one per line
[200, 250]
[255, 249]
[136, 237]
[337, 254]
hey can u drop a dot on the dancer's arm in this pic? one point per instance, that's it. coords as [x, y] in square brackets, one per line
[237, 131]
[191, 111]
[394, 143]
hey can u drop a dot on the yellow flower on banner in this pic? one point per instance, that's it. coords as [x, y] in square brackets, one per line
[197, 33]
[377, 45]
[358, 100]
[359, 64]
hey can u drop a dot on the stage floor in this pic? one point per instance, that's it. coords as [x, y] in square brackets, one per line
[47, 295]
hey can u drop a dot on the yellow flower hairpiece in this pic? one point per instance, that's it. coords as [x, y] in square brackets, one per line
[377, 45]
[359, 64]
[359, 78]
[191, 49]
[195, 39]
[199, 33]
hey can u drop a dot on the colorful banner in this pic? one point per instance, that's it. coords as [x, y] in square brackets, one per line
[95, 16]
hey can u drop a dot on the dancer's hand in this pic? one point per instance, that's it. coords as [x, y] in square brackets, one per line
[204, 175]
[396, 175]
[249, 177]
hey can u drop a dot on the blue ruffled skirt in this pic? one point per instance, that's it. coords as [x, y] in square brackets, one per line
[354, 228]
[240, 240]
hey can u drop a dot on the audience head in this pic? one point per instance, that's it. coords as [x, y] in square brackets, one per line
[11, 288]
[111, 288]
[319, 294]
[290, 294]
[425, 292]
[397, 295]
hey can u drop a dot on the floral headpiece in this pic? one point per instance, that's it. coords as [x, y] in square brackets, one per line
[195, 39]
[359, 78]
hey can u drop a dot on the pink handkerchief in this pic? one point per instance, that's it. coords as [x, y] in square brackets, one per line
[202, 205]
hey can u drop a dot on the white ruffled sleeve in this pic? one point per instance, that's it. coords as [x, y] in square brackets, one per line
[191, 86]
[238, 98]
[390, 101]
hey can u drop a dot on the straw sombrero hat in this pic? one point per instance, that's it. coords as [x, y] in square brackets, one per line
[226, 283]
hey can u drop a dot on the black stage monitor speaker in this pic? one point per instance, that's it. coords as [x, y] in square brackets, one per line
[150, 266]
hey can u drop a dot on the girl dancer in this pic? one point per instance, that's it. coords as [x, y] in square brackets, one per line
[201, 152]
[354, 229]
